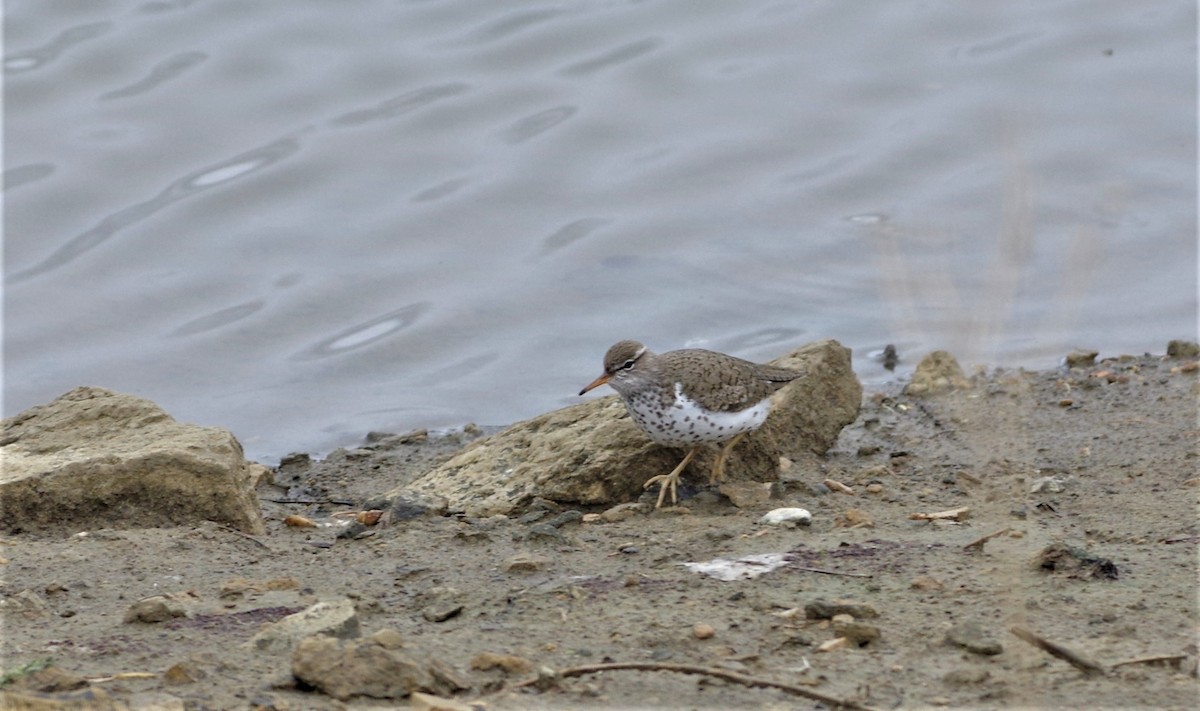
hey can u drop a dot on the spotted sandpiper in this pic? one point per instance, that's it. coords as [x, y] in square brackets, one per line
[691, 397]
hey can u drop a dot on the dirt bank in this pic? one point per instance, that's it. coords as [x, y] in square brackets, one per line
[1087, 478]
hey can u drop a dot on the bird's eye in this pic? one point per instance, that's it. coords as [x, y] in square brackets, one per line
[628, 365]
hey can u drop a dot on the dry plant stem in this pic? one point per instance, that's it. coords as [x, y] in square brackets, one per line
[1174, 660]
[1180, 539]
[705, 671]
[831, 572]
[838, 486]
[978, 542]
[247, 536]
[955, 514]
[1079, 662]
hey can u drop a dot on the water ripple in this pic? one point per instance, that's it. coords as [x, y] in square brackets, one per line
[22, 174]
[823, 169]
[400, 105]
[570, 233]
[1000, 45]
[754, 340]
[507, 26]
[220, 318]
[624, 53]
[165, 5]
[526, 128]
[160, 73]
[441, 190]
[365, 333]
[32, 59]
[185, 187]
[463, 368]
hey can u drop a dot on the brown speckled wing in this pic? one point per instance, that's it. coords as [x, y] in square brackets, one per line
[722, 382]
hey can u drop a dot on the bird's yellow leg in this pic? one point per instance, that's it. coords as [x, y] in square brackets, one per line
[718, 470]
[669, 480]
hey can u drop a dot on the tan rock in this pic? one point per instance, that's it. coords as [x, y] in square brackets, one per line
[508, 663]
[745, 494]
[158, 608]
[94, 458]
[703, 630]
[344, 669]
[523, 563]
[334, 618]
[593, 454]
[429, 702]
[937, 372]
[859, 633]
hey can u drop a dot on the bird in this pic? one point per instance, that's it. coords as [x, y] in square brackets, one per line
[691, 398]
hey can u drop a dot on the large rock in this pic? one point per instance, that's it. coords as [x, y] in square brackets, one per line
[377, 666]
[94, 458]
[593, 454]
[335, 618]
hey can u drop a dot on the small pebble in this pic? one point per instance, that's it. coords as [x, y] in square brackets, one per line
[1081, 359]
[1049, 484]
[620, 512]
[525, 564]
[826, 609]
[925, 582]
[703, 631]
[971, 637]
[966, 677]
[859, 633]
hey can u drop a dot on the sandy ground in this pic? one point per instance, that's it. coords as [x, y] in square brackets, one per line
[1102, 460]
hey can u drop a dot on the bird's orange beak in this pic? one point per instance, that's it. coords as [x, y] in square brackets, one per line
[596, 383]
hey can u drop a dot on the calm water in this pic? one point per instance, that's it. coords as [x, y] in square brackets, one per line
[308, 220]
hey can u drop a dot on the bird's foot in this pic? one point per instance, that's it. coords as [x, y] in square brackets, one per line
[671, 480]
[665, 481]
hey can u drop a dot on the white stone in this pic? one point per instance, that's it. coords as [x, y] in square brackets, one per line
[744, 568]
[787, 517]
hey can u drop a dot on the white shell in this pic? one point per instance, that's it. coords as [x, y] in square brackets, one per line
[787, 517]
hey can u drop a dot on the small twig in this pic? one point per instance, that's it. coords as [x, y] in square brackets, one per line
[706, 671]
[1076, 660]
[838, 486]
[1170, 659]
[247, 536]
[831, 572]
[1180, 539]
[122, 676]
[978, 542]
[956, 514]
[335, 502]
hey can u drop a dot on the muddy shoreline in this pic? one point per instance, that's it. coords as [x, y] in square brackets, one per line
[1082, 483]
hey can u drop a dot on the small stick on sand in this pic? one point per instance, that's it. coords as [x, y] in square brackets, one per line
[957, 514]
[977, 544]
[831, 572]
[122, 676]
[1082, 663]
[706, 671]
[1180, 539]
[236, 532]
[838, 486]
[1174, 660]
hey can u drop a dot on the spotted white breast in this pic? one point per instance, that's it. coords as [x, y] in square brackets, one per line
[685, 422]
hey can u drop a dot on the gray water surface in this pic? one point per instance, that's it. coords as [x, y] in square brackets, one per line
[308, 220]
